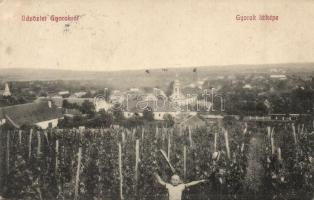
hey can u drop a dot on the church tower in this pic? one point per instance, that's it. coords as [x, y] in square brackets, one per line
[6, 92]
[176, 93]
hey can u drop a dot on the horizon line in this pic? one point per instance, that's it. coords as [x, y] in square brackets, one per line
[156, 68]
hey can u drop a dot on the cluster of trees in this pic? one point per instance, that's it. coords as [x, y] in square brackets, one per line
[28, 91]
[114, 116]
[16, 99]
[266, 96]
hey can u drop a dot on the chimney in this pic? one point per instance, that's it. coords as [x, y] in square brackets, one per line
[49, 104]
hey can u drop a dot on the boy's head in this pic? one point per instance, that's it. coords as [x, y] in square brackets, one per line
[175, 180]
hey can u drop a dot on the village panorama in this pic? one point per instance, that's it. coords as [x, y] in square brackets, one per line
[195, 133]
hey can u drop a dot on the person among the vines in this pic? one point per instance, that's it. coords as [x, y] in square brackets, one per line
[176, 187]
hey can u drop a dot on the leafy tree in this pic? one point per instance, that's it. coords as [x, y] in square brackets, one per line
[117, 113]
[6, 126]
[78, 121]
[261, 108]
[169, 121]
[67, 104]
[134, 121]
[88, 108]
[170, 89]
[102, 119]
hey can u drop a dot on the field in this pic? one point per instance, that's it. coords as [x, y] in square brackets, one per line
[256, 161]
[139, 78]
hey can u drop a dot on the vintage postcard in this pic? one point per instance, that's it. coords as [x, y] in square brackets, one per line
[156, 100]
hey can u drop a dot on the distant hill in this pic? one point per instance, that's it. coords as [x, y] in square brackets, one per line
[141, 78]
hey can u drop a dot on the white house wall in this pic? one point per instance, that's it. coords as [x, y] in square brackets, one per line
[2, 121]
[157, 115]
[45, 124]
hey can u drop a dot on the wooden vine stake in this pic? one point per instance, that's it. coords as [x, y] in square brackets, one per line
[77, 178]
[1, 158]
[184, 160]
[268, 132]
[30, 144]
[294, 134]
[190, 136]
[46, 136]
[57, 157]
[8, 153]
[279, 154]
[20, 137]
[215, 142]
[123, 137]
[163, 132]
[137, 160]
[227, 143]
[38, 143]
[169, 145]
[272, 142]
[133, 133]
[242, 147]
[143, 132]
[120, 172]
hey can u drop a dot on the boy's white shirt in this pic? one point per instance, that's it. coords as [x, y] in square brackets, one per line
[175, 192]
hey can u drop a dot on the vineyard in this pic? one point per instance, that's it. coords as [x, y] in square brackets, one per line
[255, 162]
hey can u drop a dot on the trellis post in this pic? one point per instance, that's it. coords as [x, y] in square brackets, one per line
[279, 154]
[38, 143]
[77, 177]
[190, 136]
[1, 160]
[137, 158]
[143, 132]
[215, 141]
[268, 132]
[8, 153]
[294, 134]
[30, 144]
[57, 157]
[120, 171]
[272, 142]
[184, 160]
[20, 137]
[123, 136]
[227, 143]
[169, 145]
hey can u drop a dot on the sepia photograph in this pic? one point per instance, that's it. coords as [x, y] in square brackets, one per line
[156, 100]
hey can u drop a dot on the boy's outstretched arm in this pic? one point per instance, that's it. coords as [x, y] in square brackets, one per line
[159, 180]
[195, 183]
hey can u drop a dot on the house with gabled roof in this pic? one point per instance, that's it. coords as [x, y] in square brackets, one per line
[192, 121]
[159, 108]
[43, 114]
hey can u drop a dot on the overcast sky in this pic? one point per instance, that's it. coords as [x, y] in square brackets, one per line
[136, 34]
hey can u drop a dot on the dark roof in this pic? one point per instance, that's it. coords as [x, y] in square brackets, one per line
[72, 112]
[30, 113]
[79, 101]
[157, 106]
[191, 121]
[191, 91]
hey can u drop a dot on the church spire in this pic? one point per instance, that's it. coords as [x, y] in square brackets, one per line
[6, 92]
